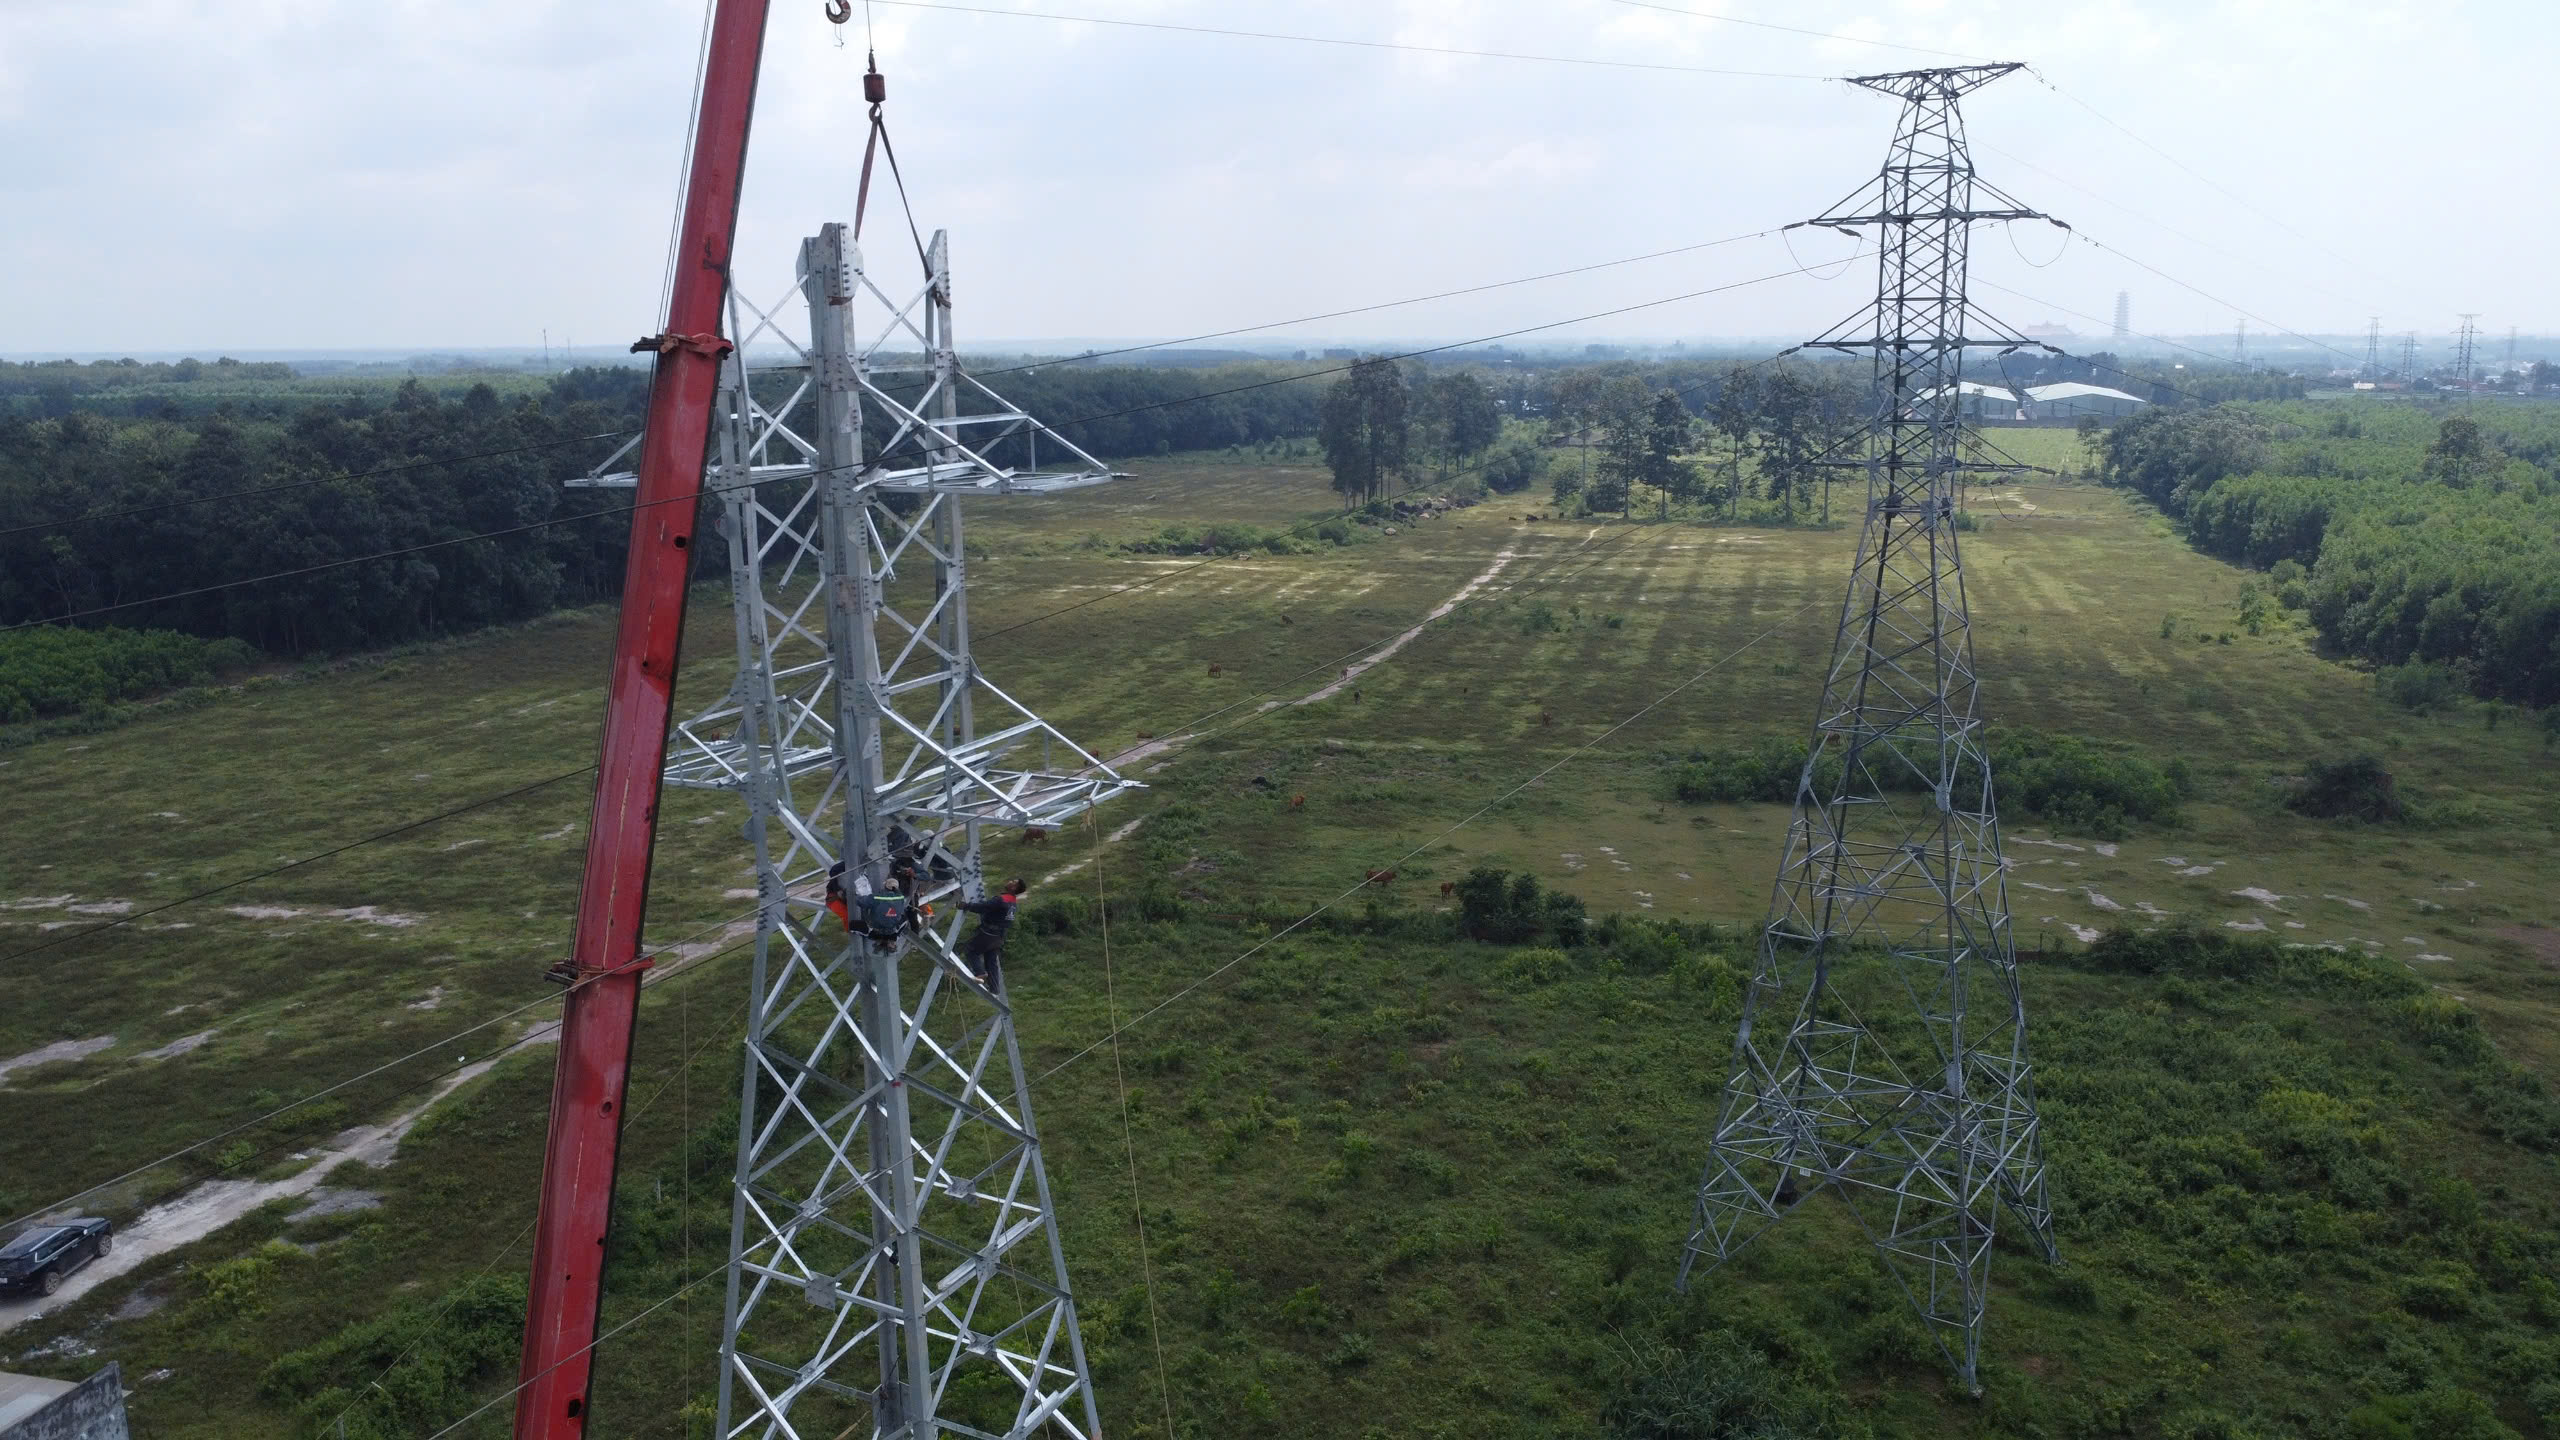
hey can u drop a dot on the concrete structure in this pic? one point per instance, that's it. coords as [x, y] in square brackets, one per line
[34, 1408]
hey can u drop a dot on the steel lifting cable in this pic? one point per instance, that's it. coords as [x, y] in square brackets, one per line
[875, 91]
[1128, 1138]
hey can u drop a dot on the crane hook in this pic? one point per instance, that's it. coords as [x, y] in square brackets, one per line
[839, 11]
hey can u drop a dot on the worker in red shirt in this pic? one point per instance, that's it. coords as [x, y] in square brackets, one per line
[985, 952]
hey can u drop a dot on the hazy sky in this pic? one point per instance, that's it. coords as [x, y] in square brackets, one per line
[261, 174]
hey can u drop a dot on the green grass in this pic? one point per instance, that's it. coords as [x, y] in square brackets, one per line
[1507, 1230]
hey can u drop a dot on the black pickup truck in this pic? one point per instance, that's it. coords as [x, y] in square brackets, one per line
[42, 1257]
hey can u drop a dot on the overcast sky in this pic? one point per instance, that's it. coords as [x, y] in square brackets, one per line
[285, 174]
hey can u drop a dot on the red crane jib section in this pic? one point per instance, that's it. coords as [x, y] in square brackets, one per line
[603, 1004]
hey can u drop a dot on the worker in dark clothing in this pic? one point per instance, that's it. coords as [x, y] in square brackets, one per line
[985, 951]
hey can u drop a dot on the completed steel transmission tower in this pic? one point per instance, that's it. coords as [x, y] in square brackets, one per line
[1893, 855]
[895, 1265]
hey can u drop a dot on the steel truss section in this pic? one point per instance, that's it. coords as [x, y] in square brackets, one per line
[1892, 858]
[895, 1264]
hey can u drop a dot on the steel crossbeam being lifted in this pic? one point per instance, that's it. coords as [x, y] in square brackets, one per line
[893, 1232]
[1893, 852]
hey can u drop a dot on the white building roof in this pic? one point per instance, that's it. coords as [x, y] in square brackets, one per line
[2075, 390]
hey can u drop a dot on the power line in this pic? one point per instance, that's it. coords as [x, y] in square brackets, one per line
[1350, 44]
[1470, 817]
[691, 1058]
[2228, 193]
[984, 374]
[2087, 238]
[1416, 488]
[432, 1047]
[397, 830]
[1794, 29]
[1367, 309]
[635, 506]
[2155, 221]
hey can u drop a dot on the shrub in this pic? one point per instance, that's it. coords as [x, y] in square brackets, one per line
[1498, 906]
[235, 1287]
[2420, 685]
[1718, 1389]
[420, 1366]
[2060, 778]
[48, 670]
[2355, 788]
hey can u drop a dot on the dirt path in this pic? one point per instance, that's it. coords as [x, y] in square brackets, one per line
[214, 1204]
[1388, 651]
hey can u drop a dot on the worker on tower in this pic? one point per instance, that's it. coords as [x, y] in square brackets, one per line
[985, 952]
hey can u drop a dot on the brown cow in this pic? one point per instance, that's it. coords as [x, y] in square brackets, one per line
[1448, 888]
[1297, 801]
[1035, 837]
[1380, 878]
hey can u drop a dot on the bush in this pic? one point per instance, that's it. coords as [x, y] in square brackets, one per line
[2420, 685]
[1719, 1389]
[2355, 788]
[50, 670]
[1497, 906]
[447, 1352]
[2059, 778]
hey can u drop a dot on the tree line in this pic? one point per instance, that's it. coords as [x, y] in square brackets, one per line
[81, 443]
[2407, 535]
[1602, 439]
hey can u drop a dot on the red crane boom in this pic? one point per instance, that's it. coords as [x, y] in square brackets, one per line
[605, 964]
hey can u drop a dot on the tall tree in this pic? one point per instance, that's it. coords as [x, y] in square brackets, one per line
[1364, 427]
[1666, 435]
[1733, 412]
[1619, 414]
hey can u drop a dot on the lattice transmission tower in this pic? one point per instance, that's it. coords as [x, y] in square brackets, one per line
[2463, 343]
[2124, 318]
[895, 1265]
[2409, 356]
[2373, 348]
[1892, 860]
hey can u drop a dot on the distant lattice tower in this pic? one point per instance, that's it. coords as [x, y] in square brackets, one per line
[2511, 349]
[2468, 337]
[895, 1267]
[2373, 348]
[1893, 851]
[2124, 317]
[2409, 355]
[2240, 343]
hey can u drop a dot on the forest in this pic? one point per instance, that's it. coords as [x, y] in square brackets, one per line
[106, 473]
[2417, 538]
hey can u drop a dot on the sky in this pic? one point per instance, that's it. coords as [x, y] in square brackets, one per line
[263, 175]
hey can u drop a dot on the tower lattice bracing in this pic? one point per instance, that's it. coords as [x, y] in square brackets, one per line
[1892, 865]
[2373, 348]
[2464, 342]
[2123, 330]
[895, 1264]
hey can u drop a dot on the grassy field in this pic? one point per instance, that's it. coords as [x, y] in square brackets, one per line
[1395, 1182]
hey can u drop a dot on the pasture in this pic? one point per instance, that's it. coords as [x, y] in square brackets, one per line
[1404, 1179]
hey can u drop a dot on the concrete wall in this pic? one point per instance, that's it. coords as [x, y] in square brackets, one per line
[92, 1411]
